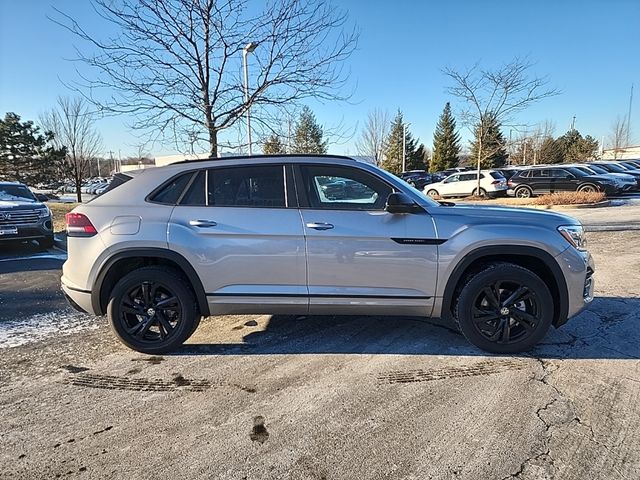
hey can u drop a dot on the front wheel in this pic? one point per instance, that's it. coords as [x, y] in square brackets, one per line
[588, 188]
[523, 192]
[152, 310]
[504, 308]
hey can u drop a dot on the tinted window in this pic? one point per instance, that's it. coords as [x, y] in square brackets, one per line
[497, 175]
[343, 188]
[195, 194]
[255, 186]
[560, 173]
[540, 173]
[469, 176]
[170, 192]
[598, 169]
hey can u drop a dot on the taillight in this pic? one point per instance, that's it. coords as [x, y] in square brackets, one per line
[79, 225]
[510, 183]
[496, 182]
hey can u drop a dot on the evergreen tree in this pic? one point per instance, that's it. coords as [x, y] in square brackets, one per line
[26, 155]
[307, 137]
[490, 142]
[273, 146]
[551, 151]
[392, 154]
[419, 159]
[446, 142]
[575, 147]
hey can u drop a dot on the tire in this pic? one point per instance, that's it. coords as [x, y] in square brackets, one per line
[523, 192]
[46, 242]
[433, 193]
[479, 193]
[149, 322]
[492, 320]
[587, 188]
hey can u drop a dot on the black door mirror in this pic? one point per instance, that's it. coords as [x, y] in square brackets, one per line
[398, 202]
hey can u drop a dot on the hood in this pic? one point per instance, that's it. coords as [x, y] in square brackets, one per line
[20, 205]
[513, 216]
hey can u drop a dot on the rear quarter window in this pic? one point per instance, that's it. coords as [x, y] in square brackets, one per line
[171, 191]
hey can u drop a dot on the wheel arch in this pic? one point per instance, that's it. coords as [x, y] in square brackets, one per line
[535, 259]
[125, 261]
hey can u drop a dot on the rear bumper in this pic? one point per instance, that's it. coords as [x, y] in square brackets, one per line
[77, 298]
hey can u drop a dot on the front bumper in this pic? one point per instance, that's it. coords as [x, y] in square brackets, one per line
[40, 229]
[578, 268]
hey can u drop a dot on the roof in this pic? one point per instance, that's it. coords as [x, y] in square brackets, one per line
[262, 157]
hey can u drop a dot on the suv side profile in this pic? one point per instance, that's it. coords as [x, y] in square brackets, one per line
[316, 235]
[542, 180]
[462, 184]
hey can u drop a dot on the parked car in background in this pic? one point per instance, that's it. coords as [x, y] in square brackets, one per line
[22, 216]
[417, 178]
[628, 182]
[613, 167]
[463, 184]
[508, 172]
[542, 180]
[169, 246]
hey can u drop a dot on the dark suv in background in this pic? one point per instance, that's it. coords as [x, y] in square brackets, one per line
[541, 180]
[418, 178]
[22, 216]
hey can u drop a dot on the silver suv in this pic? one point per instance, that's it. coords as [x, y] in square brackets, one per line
[317, 235]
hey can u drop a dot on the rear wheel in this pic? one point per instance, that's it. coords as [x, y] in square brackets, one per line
[504, 309]
[433, 193]
[588, 188]
[481, 192]
[523, 192]
[152, 310]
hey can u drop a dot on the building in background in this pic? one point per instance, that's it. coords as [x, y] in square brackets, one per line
[626, 153]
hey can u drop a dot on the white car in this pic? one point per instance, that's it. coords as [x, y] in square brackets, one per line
[463, 184]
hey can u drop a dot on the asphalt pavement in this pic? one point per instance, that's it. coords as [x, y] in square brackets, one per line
[286, 397]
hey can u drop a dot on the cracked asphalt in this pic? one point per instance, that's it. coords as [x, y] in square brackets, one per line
[261, 397]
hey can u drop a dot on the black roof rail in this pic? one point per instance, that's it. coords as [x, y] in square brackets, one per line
[281, 155]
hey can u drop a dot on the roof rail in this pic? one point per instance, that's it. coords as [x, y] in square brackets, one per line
[281, 155]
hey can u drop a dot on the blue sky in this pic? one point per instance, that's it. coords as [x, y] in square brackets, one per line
[589, 50]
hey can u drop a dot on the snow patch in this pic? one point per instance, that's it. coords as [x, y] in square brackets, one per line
[15, 333]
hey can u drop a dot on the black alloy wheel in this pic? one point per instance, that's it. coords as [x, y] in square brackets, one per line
[504, 308]
[152, 310]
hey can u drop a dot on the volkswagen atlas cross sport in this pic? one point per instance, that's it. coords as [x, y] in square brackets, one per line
[316, 235]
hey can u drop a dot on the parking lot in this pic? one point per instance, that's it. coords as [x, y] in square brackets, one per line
[322, 397]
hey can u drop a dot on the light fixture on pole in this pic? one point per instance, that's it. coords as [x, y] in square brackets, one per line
[249, 47]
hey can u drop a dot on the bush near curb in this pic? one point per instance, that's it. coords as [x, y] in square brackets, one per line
[569, 198]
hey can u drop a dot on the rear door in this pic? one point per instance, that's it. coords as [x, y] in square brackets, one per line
[540, 181]
[361, 258]
[244, 237]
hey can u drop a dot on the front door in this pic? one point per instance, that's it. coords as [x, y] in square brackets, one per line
[361, 258]
[235, 225]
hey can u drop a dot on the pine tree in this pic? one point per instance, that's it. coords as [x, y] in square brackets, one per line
[273, 146]
[446, 142]
[26, 155]
[489, 140]
[575, 147]
[551, 151]
[392, 155]
[307, 137]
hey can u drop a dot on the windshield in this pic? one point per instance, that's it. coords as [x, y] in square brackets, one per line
[16, 192]
[613, 168]
[598, 169]
[586, 170]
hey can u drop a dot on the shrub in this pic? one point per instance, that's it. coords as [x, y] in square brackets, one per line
[569, 198]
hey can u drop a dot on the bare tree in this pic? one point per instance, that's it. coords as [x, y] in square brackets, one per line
[72, 124]
[373, 135]
[619, 135]
[176, 65]
[500, 94]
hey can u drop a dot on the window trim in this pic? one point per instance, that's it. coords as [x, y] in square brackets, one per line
[167, 182]
[303, 199]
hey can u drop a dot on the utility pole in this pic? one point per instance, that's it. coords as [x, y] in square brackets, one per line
[573, 123]
[629, 115]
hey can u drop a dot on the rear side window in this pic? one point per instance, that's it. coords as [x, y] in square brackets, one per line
[172, 190]
[195, 194]
[255, 186]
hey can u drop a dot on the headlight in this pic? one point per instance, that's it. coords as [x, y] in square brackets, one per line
[574, 234]
[44, 212]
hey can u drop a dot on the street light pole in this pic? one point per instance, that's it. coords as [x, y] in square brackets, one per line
[404, 147]
[249, 47]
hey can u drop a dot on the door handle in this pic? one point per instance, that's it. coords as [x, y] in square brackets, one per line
[320, 226]
[202, 223]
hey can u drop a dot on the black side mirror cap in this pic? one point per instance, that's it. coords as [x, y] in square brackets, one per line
[398, 202]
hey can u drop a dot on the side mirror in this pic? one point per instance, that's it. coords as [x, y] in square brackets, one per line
[398, 202]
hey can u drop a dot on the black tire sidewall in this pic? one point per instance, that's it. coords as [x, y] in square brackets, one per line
[523, 189]
[167, 277]
[504, 272]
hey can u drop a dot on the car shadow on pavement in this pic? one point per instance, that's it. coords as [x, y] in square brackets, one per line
[608, 329]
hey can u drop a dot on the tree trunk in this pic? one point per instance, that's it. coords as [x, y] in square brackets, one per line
[78, 182]
[213, 141]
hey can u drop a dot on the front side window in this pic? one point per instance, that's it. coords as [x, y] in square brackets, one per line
[343, 188]
[255, 186]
